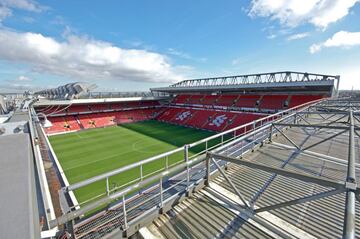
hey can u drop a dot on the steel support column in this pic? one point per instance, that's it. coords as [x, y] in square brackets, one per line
[349, 225]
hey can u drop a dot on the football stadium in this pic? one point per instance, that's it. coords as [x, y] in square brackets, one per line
[179, 119]
[265, 155]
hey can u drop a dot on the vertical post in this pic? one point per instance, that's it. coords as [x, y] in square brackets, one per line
[107, 186]
[349, 224]
[207, 162]
[254, 137]
[206, 146]
[161, 192]
[222, 139]
[295, 118]
[124, 213]
[141, 172]
[270, 133]
[186, 155]
[337, 85]
[167, 162]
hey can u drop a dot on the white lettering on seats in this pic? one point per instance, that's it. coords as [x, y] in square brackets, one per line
[219, 120]
[183, 115]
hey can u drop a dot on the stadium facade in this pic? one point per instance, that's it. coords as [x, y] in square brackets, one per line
[278, 158]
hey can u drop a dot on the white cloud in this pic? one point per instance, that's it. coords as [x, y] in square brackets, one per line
[349, 78]
[20, 80]
[6, 7]
[292, 13]
[84, 58]
[23, 78]
[298, 36]
[339, 39]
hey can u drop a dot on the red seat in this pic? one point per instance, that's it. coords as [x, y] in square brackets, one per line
[209, 99]
[226, 100]
[273, 102]
[215, 120]
[302, 99]
[247, 101]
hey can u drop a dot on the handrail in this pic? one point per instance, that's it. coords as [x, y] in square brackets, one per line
[74, 214]
[120, 170]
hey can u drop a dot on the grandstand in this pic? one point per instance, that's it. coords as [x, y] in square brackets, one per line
[249, 156]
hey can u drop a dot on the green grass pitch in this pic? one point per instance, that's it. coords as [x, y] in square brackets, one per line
[88, 153]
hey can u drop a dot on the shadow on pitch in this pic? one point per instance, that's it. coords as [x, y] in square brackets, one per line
[172, 134]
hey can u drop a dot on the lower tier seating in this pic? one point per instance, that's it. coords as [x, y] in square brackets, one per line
[207, 119]
[62, 124]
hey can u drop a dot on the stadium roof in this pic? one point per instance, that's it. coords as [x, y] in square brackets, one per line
[277, 81]
[104, 97]
[68, 91]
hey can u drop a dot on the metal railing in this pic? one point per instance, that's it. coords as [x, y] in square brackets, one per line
[100, 95]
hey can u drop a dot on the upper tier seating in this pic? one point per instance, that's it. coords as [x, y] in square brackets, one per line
[302, 99]
[149, 103]
[209, 99]
[85, 108]
[262, 102]
[247, 101]
[99, 107]
[195, 99]
[273, 102]
[77, 108]
[181, 99]
[226, 100]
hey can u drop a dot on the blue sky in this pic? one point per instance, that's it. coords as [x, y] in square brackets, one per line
[135, 45]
